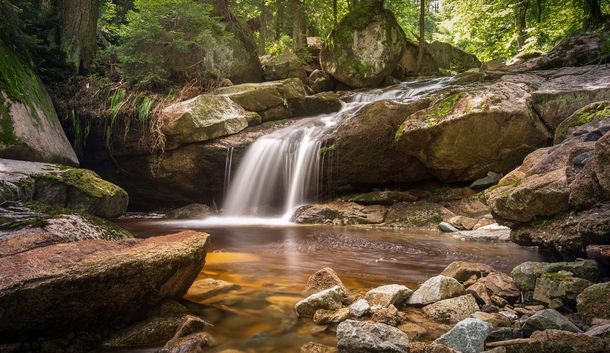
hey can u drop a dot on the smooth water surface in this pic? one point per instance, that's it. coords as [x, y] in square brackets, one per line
[271, 266]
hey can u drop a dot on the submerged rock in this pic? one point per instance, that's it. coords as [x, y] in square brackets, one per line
[92, 283]
[364, 337]
[435, 289]
[467, 336]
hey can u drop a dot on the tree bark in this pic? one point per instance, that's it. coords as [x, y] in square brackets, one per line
[422, 34]
[77, 31]
[521, 22]
[593, 14]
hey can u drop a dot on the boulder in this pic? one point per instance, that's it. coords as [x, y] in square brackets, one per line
[448, 57]
[467, 336]
[202, 118]
[339, 213]
[451, 311]
[29, 127]
[463, 271]
[282, 66]
[496, 115]
[364, 47]
[323, 279]
[92, 283]
[548, 319]
[559, 289]
[436, 288]
[329, 299]
[384, 296]
[365, 337]
[61, 186]
[594, 302]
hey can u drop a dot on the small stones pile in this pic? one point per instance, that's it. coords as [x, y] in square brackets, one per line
[468, 308]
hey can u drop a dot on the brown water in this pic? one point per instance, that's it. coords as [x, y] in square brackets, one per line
[271, 266]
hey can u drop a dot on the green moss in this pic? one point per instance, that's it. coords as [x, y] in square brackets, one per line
[442, 108]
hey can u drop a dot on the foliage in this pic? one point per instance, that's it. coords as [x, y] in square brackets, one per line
[171, 40]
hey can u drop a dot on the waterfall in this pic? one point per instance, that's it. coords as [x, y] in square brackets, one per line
[283, 170]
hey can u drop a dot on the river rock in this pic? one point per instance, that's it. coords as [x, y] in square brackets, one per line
[384, 296]
[282, 66]
[463, 271]
[329, 299]
[365, 337]
[202, 118]
[467, 336]
[594, 302]
[30, 128]
[364, 47]
[452, 310]
[61, 186]
[548, 319]
[434, 289]
[323, 279]
[359, 308]
[116, 281]
[559, 289]
[459, 117]
[452, 58]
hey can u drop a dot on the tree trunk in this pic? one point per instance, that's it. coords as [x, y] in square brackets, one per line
[593, 14]
[520, 22]
[77, 31]
[299, 25]
[422, 34]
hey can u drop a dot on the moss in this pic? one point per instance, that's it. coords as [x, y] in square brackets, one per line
[442, 108]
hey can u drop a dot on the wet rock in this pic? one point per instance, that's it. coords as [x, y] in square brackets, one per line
[436, 288]
[31, 130]
[116, 281]
[339, 212]
[359, 308]
[558, 289]
[447, 227]
[62, 186]
[452, 310]
[467, 336]
[329, 299]
[282, 66]
[202, 118]
[462, 270]
[313, 347]
[363, 56]
[326, 317]
[207, 288]
[192, 211]
[364, 337]
[323, 279]
[384, 296]
[594, 302]
[548, 319]
[389, 316]
[195, 343]
[320, 81]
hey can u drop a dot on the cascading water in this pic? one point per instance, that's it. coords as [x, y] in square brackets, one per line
[282, 170]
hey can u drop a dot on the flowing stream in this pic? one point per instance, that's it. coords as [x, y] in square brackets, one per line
[281, 171]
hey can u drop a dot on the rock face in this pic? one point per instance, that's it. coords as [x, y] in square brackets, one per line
[203, 118]
[364, 48]
[29, 127]
[115, 281]
[282, 66]
[451, 58]
[467, 336]
[61, 186]
[364, 337]
[435, 289]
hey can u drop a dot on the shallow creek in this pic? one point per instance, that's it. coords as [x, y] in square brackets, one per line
[271, 266]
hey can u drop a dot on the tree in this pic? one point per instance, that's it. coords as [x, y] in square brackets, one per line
[77, 31]
[422, 34]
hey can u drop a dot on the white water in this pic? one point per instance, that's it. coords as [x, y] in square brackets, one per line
[281, 171]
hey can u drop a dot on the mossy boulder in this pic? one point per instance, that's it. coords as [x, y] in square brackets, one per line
[466, 133]
[62, 186]
[29, 127]
[592, 112]
[594, 302]
[203, 118]
[364, 48]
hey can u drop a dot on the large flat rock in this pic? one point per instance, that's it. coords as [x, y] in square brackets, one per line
[93, 283]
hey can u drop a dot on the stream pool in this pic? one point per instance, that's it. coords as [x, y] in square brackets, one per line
[271, 264]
